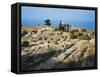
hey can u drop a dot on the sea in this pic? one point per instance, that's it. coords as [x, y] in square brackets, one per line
[85, 24]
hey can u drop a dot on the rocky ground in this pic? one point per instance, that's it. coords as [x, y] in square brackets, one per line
[47, 48]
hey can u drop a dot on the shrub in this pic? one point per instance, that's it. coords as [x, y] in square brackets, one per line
[40, 38]
[61, 28]
[62, 45]
[45, 38]
[58, 39]
[83, 30]
[73, 36]
[61, 33]
[24, 33]
[85, 37]
[80, 34]
[48, 41]
[66, 37]
[25, 43]
[56, 43]
[51, 33]
[39, 48]
[56, 29]
[73, 31]
[93, 32]
[62, 36]
[52, 38]
[66, 30]
[35, 31]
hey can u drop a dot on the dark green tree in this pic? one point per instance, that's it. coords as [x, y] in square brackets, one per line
[47, 22]
[61, 27]
[60, 23]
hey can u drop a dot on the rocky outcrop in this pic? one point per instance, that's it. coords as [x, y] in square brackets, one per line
[49, 49]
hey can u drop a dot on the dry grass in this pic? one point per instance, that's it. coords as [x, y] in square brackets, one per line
[31, 28]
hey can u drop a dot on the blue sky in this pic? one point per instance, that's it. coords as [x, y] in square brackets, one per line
[37, 15]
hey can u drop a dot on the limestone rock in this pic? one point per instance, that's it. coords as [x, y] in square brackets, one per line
[49, 49]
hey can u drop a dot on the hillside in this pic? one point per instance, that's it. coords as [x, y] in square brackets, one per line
[48, 48]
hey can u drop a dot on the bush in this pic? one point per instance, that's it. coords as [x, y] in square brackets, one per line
[85, 37]
[62, 36]
[83, 30]
[25, 43]
[58, 39]
[65, 37]
[40, 38]
[62, 28]
[66, 30]
[24, 33]
[73, 31]
[93, 32]
[48, 41]
[52, 38]
[80, 34]
[45, 38]
[35, 31]
[56, 29]
[73, 36]
[51, 33]
[56, 43]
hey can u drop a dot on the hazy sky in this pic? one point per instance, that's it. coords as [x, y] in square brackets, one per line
[39, 14]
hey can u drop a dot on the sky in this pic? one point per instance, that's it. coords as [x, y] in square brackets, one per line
[36, 16]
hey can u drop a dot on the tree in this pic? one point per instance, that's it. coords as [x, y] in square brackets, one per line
[68, 27]
[61, 27]
[60, 24]
[47, 22]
